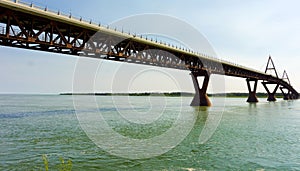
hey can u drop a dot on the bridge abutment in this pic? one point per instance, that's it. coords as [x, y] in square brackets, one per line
[200, 98]
[252, 98]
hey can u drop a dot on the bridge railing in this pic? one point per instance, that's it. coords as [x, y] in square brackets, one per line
[58, 12]
[79, 18]
[233, 64]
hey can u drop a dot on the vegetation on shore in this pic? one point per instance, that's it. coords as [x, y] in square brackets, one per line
[171, 94]
[259, 95]
[175, 94]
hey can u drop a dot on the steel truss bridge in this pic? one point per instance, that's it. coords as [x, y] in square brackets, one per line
[30, 27]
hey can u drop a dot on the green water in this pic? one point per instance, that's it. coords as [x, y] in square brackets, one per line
[262, 136]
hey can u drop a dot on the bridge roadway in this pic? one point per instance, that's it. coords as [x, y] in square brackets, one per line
[28, 26]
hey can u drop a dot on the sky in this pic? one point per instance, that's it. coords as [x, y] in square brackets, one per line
[243, 32]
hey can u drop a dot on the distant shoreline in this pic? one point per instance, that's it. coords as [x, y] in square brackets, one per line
[172, 94]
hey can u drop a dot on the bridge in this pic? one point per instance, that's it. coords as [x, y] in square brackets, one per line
[27, 26]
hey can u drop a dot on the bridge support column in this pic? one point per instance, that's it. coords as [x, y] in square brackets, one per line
[252, 98]
[271, 95]
[286, 95]
[201, 98]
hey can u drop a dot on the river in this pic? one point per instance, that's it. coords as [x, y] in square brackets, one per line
[147, 133]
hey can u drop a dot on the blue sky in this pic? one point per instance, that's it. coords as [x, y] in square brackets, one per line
[244, 32]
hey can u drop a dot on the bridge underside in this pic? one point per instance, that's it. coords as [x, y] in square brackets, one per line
[42, 30]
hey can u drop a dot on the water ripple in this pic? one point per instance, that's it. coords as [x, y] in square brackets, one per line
[34, 113]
